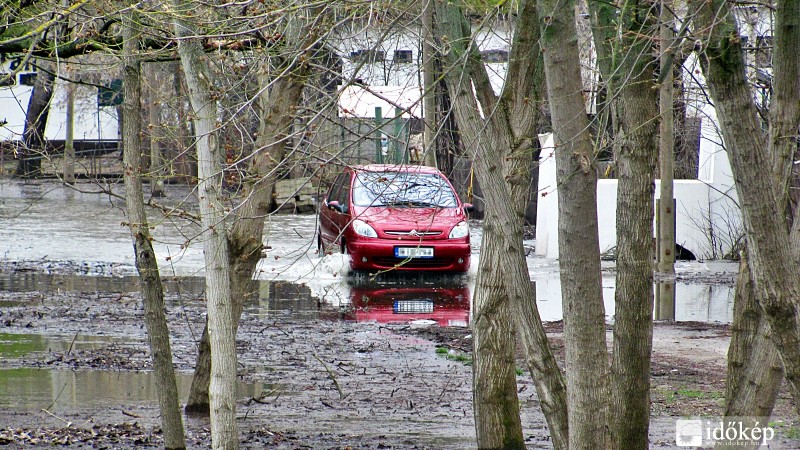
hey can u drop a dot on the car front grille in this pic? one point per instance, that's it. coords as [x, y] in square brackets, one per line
[413, 233]
[415, 263]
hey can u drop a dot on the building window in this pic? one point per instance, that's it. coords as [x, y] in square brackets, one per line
[7, 79]
[763, 52]
[27, 79]
[494, 56]
[367, 56]
[403, 56]
[110, 94]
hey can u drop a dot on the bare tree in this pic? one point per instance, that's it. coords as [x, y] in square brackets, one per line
[632, 98]
[500, 136]
[281, 81]
[755, 370]
[578, 243]
[761, 163]
[221, 320]
[146, 263]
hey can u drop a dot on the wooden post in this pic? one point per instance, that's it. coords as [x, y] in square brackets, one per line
[378, 135]
[666, 209]
[429, 87]
[69, 143]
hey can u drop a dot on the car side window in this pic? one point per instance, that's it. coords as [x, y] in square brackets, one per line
[340, 190]
[344, 193]
[333, 194]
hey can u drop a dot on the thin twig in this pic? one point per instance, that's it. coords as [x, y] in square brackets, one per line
[69, 350]
[332, 377]
[59, 418]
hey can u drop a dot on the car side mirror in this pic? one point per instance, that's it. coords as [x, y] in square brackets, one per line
[468, 207]
[334, 205]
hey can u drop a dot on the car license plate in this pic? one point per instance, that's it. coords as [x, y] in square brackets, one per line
[413, 252]
[413, 306]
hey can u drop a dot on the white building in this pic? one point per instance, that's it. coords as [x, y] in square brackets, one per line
[707, 218]
[94, 121]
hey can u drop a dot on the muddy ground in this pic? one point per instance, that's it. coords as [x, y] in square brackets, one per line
[322, 383]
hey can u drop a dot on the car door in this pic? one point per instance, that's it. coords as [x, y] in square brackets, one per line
[327, 225]
[342, 219]
[329, 222]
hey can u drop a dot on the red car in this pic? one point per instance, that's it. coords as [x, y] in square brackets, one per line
[395, 218]
[448, 306]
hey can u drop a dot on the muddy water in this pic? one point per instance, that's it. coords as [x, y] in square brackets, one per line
[681, 302]
[73, 242]
[435, 300]
[35, 389]
[80, 233]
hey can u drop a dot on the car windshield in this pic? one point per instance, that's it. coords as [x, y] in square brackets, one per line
[403, 189]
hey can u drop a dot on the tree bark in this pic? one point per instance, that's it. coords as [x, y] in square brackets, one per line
[156, 172]
[500, 136]
[634, 99]
[774, 263]
[278, 100]
[146, 263]
[221, 320]
[755, 370]
[578, 244]
[34, 144]
[245, 238]
[429, 85]
[494, 383]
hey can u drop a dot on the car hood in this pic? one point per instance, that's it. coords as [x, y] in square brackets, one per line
[381, 217]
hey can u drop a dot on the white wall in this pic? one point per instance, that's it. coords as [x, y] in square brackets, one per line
[708, 202]
[91, 121]
[692, 302]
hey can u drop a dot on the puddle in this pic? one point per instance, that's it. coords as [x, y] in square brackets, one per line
[18, 345]
[34, 389]
[43, 282]
[402, 299]
[443, 303]
[681, 302]
[435, 299]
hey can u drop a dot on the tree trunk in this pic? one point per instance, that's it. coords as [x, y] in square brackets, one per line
[501, 143]
[156, 171]
[146, 263]
[34, 144]
[69, 141]
[221, 320]
[429, 85]
[774, 264]
[278, 101]
[755, 370]
[634, 99]
[494, 383]
[578, 244]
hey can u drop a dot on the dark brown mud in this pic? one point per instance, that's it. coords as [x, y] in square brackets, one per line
[74, 363]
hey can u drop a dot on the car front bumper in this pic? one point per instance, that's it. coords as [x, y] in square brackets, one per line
[379, 255]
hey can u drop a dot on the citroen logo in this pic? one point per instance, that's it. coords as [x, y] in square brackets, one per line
[414, 233]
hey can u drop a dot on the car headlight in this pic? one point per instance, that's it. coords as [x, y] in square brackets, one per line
[460, 230]
[363, 229]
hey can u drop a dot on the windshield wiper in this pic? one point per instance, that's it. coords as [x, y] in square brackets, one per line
[413, 204]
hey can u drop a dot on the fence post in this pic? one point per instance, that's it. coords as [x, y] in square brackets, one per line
[378, 133]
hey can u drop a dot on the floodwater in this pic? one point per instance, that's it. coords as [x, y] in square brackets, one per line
[54, 239]
[82, 232]
[52, 390]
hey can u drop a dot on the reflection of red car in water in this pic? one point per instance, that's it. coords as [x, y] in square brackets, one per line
[448, 306]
